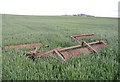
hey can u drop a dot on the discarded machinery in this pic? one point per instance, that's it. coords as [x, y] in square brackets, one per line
[67, 52]
[77, 37]
[18, 46]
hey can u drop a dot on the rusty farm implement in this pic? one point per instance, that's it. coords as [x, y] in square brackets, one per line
[65, 53]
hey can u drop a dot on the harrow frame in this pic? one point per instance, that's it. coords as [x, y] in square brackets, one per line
[65, 53]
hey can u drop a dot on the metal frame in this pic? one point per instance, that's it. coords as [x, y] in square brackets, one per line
[77, 37]
[65, 53]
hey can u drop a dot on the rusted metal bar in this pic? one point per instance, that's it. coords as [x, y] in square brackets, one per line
[84, 35]
[34, 45]
[67, 48]
[31, 52]
[90, 47]
[75, 39]
[40, 55]
[45, 53]
[64, 53]
[79, 51]
[103, 42]
[72, 47]
[59, 54]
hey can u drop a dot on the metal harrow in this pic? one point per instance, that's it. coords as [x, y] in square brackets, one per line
[65, 53]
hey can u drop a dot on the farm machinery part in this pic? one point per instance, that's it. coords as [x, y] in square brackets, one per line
[18, 46]
[67, 52]
[77, 37]
[63, 53]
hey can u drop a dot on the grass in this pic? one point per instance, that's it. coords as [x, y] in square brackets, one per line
[0, 46]
[54, 31]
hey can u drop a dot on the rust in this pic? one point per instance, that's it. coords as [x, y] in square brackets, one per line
[67, 52]
[79, 51]
[77, 37]
[34, 45]
[80, 45]
[89, 46]
[83, 35]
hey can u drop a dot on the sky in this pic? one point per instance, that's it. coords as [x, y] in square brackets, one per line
[102, 8]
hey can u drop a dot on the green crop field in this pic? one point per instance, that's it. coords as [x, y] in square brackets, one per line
[55, 31]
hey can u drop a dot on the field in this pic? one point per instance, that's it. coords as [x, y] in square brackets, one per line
[54, 31]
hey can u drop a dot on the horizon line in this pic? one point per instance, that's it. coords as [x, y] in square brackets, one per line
[57, 15]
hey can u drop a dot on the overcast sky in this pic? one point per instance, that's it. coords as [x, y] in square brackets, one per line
[104, 8]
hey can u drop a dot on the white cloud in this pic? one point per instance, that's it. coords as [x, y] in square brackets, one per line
[59, 7]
